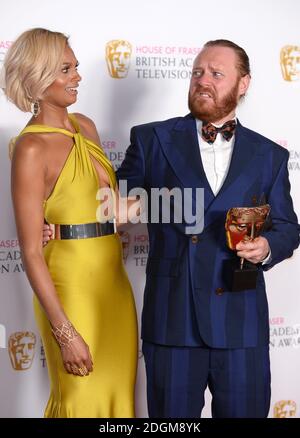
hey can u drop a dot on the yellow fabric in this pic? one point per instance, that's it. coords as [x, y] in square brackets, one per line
[95, 293]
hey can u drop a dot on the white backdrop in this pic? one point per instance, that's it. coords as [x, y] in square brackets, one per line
[164, 36]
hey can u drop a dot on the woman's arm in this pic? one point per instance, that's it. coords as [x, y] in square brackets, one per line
[28, 191]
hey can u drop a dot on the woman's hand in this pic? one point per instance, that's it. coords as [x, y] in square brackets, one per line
[77, 358]
[75, 352]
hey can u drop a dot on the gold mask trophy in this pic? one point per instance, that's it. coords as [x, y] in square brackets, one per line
[243, 224]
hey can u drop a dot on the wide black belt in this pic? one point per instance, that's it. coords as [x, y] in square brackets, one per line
[83, 231]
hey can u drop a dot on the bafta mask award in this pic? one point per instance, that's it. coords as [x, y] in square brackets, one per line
[243, 224]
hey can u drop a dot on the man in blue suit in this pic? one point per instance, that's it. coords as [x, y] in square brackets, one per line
[195, 331]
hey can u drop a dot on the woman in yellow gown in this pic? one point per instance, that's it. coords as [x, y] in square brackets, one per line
[83, 301]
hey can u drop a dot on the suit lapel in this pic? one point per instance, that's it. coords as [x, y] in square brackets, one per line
[244, 166]
[243, 152]
[181, 149]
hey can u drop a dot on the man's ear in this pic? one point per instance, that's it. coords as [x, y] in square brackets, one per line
[244, 85]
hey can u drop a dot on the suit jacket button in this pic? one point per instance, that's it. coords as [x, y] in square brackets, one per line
[194, 239]
[219, 291]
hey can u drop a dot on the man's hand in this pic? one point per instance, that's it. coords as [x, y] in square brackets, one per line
[47, 234]
[254, 251]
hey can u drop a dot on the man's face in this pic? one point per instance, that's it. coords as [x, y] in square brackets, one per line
[216, 85]
[22, 352]
[120, 60]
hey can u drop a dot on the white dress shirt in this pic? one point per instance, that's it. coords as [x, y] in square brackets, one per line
[216, 158]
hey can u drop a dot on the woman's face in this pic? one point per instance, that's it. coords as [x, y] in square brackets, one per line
[63, 91]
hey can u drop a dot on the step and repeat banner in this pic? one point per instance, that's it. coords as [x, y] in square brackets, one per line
[135, 61]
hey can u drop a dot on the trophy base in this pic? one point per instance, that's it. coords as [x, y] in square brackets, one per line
[237, 279]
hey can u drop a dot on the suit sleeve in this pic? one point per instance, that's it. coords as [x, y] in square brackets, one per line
[283, 237]
[132, 169]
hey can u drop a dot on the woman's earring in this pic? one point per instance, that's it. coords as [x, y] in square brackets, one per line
[35, 108]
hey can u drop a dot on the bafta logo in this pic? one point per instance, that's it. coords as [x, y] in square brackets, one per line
[125, 239]
[285, 409]
[21, 347]
[290, 63]
[118, 53]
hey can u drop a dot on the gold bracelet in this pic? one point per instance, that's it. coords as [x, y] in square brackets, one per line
[64, 333]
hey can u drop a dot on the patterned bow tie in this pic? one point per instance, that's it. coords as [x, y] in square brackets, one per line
[209, 131]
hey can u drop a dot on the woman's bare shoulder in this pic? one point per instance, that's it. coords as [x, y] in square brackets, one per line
[87, 127]
[84, 120]
[28, 145]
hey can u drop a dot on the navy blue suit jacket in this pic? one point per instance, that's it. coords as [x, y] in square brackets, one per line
[185, 301]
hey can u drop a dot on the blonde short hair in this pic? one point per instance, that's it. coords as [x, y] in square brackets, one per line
[32, 64]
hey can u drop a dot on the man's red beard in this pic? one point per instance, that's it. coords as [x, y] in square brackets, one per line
[213, 110]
